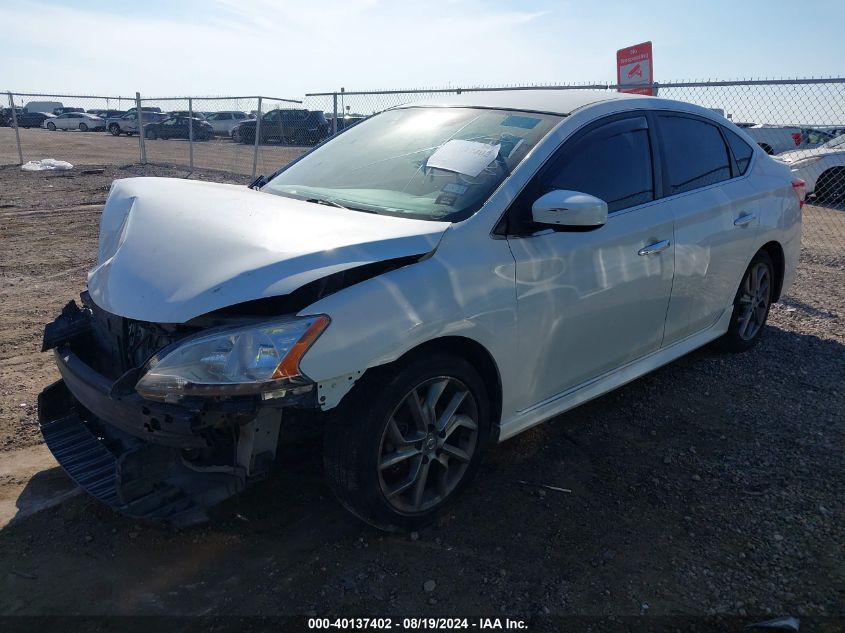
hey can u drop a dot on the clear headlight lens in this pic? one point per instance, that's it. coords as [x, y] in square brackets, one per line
[248, 360]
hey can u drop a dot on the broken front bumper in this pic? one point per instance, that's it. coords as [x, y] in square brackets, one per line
[149, 459]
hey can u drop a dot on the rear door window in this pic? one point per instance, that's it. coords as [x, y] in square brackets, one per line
[695, 154]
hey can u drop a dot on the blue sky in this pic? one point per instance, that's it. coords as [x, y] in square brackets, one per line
[289, 47]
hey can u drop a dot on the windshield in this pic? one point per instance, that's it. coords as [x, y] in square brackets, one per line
[836, 142]
[426, 163]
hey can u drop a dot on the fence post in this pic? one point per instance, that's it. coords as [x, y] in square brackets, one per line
[334, 117]
[141, 129]
[191, 131]
[17, 131]
[257, 136]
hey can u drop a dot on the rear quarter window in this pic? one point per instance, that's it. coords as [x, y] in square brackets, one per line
[742, 151]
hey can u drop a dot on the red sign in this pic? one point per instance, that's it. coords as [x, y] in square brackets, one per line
[634, 70]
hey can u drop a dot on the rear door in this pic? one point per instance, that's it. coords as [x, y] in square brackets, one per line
[715, 207]
[589, 302]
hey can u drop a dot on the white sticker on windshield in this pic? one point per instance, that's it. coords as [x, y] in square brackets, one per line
[464, 157]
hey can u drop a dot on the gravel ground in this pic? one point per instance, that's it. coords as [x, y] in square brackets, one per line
[711, 489]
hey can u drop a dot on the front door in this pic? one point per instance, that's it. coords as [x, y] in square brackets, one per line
[589, 302]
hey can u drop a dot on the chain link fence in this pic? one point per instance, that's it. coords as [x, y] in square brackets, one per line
[194, 132]
[800, 121]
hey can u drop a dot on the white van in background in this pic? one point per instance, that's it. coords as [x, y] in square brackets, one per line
[43, 106]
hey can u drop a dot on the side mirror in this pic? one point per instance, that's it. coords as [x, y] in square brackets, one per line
[569, 209]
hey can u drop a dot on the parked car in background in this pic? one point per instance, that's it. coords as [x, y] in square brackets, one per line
[775, 139]
[81, 121]
[43, 106]
[197, 114]
[178, 127]
[34, 119]
[144, 109]
[65, 110]
[437, 278]
[106, 114]
[225, 121]
[305, 127]
[128, 123]
[6, 118]
[822, 168]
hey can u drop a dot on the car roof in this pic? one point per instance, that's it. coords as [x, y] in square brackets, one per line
[551, 101]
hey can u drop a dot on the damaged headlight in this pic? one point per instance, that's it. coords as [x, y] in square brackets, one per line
[255, 359]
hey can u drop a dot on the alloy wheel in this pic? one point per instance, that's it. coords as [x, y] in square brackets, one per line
[428, 444]
[755, 299]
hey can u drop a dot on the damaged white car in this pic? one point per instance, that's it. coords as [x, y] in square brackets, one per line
[436, 278]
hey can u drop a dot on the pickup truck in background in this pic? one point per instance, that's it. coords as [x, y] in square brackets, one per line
[775, 139]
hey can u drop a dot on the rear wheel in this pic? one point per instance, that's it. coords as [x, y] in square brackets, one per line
[407, 440]
[831, 185]
[751, 305]
[151, 134]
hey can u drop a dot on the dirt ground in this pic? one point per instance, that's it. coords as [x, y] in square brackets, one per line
[704, 496]
[86, 148]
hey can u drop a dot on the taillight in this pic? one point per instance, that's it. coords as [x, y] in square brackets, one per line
[796, 136]
[800, 189]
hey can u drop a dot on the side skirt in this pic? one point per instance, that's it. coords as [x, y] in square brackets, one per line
[601, 385]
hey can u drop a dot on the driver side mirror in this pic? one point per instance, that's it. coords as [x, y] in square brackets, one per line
[563, 209]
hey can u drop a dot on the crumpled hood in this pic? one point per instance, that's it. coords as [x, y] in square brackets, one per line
[172, 249]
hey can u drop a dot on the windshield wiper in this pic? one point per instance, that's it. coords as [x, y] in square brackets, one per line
[327, 202]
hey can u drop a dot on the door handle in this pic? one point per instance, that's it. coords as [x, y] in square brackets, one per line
[745, 219]
[654, 249]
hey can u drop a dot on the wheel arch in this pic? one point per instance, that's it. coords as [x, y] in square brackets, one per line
[829, 173]
[477, 355]
[775, 251]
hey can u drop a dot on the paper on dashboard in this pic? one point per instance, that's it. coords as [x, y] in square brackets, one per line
[464, 157]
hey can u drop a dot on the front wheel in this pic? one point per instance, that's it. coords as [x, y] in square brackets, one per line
[114, 128]
[83, 127]
[406, 441]
[51, 126]
[751, 305]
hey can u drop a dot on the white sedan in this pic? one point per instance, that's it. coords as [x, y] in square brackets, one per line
[81, 121]
[822, 168]
[435, 278]
[224, 122]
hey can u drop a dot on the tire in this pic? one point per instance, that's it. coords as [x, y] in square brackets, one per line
[151, 134]
[751, 305]
[377, 457]
[830, 186]
[51, 126]
[236, 136]
[114, 128]
[83, 127]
